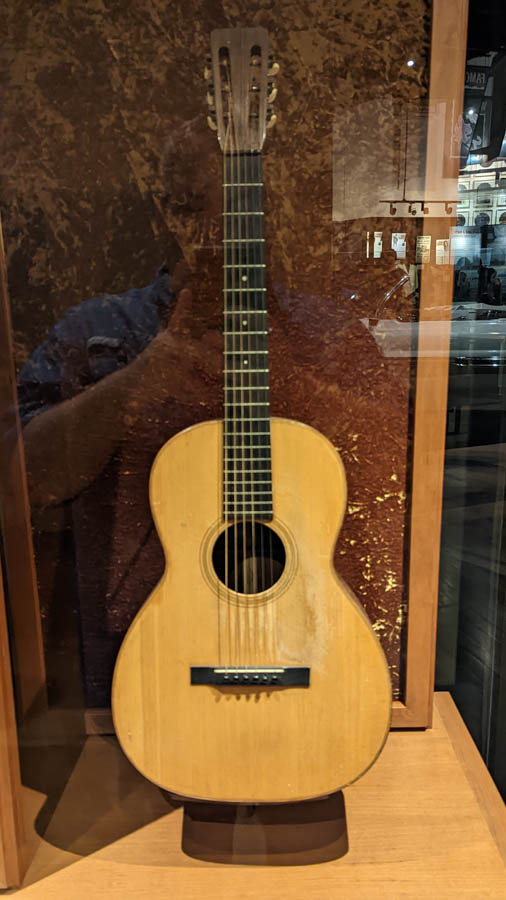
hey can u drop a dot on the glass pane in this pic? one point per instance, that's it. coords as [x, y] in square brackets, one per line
[471, 656]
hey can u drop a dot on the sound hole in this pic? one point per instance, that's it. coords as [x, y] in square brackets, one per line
[249, 557]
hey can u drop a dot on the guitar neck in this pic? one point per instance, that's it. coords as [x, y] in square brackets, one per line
[247, 446]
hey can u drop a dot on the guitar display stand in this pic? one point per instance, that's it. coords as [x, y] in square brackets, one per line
[282, 834]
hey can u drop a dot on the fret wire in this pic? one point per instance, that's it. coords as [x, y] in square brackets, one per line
[244, 458]
[255, 458]
[247, 473]
[258, 481]
[260, 493]
[241, 508]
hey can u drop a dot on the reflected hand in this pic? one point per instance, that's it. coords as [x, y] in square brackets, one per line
[191, 361]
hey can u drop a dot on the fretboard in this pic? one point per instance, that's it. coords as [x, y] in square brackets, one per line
[247, 448]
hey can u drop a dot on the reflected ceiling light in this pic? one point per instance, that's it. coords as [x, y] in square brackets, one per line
[470, 112]
[410, 63]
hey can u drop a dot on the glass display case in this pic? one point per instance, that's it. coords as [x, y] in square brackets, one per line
[234, 243]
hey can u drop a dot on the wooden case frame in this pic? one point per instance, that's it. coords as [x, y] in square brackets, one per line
[449, 29]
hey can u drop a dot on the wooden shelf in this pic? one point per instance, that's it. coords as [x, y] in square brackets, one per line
[425, 821]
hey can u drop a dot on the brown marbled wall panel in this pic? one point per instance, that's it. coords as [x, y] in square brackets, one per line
[92, 90]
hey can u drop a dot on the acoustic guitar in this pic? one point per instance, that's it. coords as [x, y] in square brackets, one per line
[251, 674]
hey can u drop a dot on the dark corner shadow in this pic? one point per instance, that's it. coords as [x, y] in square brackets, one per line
[283, 834]
[93, 795]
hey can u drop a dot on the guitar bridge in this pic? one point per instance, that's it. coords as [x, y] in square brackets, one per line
[252, 676]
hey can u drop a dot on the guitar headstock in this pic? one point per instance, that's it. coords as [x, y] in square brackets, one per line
[240, 75]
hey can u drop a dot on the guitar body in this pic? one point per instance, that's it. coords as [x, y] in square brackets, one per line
[251, 743]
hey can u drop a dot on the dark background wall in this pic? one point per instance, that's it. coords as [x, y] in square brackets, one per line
[91, 92]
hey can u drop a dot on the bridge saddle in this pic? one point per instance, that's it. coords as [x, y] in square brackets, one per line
[255, 676]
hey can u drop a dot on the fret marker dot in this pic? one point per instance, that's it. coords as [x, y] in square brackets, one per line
[244, 277]
[245, 362]
[244, 322]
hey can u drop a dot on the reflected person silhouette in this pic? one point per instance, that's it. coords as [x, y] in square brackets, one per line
[120, 374]
[101, 369]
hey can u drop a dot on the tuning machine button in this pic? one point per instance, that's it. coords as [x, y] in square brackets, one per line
[212, 124]
[271, 119]
[273, 70]
[272, 96]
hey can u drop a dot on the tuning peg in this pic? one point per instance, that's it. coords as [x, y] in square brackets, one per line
[271, 120]
[210, 98]
[212, 124]
[207, 73]
[274, 69]
[272, 96]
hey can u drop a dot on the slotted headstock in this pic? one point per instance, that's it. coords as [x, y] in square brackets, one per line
[240, 75]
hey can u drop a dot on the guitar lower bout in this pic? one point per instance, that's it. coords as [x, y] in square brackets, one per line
[250, 741]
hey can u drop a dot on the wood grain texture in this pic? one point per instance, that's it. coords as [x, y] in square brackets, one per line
[415, 830]
[251, 744]
[449, 31]
[11, 813]
[487, 795]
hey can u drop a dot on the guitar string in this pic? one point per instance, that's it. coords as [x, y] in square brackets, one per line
[228, 465]
[252, 341]
[254, 177]
[232, 530]
[272, 606]
[246, 381]
[222, 468]
[243, 609]
[252, 258]
[237, 378]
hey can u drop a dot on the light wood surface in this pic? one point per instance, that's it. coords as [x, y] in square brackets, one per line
[11, 811]
[447, 76]
[466, 751]
[251, 744]
[415, 830]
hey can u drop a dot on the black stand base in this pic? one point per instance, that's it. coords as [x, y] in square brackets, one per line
[282, 834]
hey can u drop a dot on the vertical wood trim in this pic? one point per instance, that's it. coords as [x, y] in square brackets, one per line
[11, 813]
[467, 753]
[447, 76]
[20, 577]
